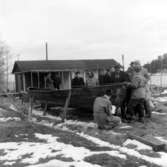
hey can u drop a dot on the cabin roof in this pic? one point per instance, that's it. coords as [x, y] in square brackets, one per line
[62, 65]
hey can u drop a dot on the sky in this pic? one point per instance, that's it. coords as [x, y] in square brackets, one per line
[85, 29]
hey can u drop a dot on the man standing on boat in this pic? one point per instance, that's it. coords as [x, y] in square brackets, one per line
[49, 81]
[119, 76]
[102, 112]
[77, 81]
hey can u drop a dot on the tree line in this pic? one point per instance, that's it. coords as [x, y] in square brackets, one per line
[157, 65]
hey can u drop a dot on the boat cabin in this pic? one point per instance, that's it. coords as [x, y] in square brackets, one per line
[33, 73]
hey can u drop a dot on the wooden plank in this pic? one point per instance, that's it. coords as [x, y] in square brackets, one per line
[31, 80]
[156, 146]
[24, 82]
[46, 107]
[30, 108]
[38, 79]
[66, 106]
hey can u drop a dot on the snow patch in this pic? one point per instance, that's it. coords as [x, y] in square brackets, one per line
[58, 163]
[161, 99]
[125, 127]
[161, 139]
[78, 123]
[164, 92]
[9, 163]
[5, 119]
[158, 113]
[39, 113]
[33, 152]
[162, 160]
[139, 145]
[12, 107]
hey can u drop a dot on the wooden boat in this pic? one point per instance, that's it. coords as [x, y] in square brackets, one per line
[77, 97]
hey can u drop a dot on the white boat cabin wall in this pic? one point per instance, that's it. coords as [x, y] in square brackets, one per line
[32, 73]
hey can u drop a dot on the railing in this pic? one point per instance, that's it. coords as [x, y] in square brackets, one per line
[159, 79]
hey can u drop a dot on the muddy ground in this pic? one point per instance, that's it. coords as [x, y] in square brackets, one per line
[100, 147]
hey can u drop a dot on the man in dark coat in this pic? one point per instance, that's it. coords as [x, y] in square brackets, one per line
[118, 75]
[102, 112]
[107, 77]
[77, 81]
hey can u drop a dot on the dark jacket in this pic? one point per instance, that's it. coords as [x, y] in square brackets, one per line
[57, 82]
[77, 82]
[119, 77]
[106, 79]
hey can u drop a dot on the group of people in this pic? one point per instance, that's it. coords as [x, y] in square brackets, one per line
[78, 81]
[106, 77]
[134, 106]
[113, 75]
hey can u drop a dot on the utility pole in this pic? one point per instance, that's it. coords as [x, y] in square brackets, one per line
[46, 48]
[161, 61]
[123, 62]
[7, 71]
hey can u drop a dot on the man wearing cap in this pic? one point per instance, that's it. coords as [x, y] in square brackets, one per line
[102, 112]
[117, 77]
[138, 94]
[143, 72]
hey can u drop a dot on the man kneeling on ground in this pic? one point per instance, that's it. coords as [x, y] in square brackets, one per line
[102, 112]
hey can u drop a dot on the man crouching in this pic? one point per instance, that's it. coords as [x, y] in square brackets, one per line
[102, 112]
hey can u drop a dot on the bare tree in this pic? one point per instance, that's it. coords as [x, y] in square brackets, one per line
[4, 56]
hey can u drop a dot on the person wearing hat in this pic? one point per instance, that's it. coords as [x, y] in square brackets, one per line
[130, 70]
[102, 112]
[138, 94]
[143, 72]
[77, 81]
[119, 76]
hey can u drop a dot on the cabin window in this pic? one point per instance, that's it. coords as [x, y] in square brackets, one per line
[28, 79]
[35, 79]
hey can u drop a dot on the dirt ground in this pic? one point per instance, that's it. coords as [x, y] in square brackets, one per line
[42, 142]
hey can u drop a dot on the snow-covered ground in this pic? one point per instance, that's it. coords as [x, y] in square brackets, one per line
[50, 151]
[31, 152]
